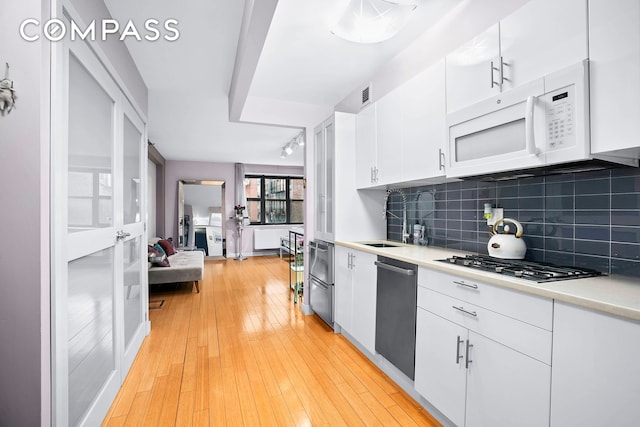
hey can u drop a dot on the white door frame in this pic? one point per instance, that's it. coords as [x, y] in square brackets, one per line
[66, 247]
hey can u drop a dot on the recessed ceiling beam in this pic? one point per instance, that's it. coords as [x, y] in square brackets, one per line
[256, 21]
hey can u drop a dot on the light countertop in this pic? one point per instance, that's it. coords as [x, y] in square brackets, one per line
[617, 295]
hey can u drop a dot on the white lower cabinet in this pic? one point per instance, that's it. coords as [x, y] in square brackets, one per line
[505, 387]
[476, 365]
[343, 288]
[355, 295]
[441, 376]
[596, 379]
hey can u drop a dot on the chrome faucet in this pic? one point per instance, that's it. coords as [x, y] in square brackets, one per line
[405, 234]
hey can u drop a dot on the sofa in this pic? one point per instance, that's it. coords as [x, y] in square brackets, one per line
[184, 266]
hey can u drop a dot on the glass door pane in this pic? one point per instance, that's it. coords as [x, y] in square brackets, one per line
[90, 151]
[131, 184]
[130, 213]
[132, 289]
[328, 173]
[90, 329]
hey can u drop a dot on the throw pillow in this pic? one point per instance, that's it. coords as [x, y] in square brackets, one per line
[158, 247]
[167, 247]
[157, 257]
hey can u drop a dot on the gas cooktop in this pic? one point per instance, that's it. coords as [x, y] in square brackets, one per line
[534, 271]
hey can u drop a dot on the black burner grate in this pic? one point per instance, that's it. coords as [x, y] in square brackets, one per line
[534, 271]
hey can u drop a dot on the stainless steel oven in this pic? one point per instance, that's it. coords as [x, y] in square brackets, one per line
[321, 277]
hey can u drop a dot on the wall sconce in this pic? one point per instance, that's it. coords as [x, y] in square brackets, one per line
[7, 93]
[373, 21]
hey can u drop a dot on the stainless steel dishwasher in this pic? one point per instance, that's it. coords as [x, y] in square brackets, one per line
[396, 313]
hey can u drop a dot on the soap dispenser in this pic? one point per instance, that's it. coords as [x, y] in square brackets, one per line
[424, 239]
[417, 233]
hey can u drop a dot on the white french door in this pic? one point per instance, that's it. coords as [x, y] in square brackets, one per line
[99, 292]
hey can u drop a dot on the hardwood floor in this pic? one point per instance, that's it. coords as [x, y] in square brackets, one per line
[242, 353]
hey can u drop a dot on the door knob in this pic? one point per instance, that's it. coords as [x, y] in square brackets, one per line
[122, 235]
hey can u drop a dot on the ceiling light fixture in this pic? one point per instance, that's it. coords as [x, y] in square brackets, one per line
[373, 21]
[287, 149]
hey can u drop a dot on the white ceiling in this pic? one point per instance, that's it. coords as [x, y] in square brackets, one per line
[301, 63]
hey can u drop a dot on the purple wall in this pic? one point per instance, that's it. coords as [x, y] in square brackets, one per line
[178, 169]
[24, 266]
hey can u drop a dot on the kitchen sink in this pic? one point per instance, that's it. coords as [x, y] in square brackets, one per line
[382, 245]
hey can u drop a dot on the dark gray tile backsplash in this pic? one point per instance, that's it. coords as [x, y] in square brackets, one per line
[589, 219]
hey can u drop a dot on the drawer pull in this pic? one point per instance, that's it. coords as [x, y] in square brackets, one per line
[458, 355]
[472, 285]
[471, 313]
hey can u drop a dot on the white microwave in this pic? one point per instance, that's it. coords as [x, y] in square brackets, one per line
[540, 123]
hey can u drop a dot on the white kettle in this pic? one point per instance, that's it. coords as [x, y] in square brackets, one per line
[504, 245]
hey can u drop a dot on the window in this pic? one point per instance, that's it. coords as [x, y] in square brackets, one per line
[274, 199]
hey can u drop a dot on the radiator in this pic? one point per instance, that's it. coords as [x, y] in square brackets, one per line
[268, 238]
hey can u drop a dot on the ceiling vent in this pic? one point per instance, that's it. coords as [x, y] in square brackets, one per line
[365, 98]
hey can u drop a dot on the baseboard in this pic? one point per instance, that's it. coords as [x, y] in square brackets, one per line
[306, 309]
[258, 253]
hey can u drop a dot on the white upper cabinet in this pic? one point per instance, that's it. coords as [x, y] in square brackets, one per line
[541, 37]
[471, 76]
[324, 139]
[614, 52]
[401, 137]
[366, 147]
[424, 131]
[389, 136]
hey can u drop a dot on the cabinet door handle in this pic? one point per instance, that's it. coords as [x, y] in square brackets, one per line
[493, 82]
[467, 361]
[472, 285]
[353, 259]
[458, 355]
[441, 159]
[348, 260]
[371, 174]
[470, 313]
[502, 77]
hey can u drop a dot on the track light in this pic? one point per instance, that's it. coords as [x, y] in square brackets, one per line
[289, 147]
